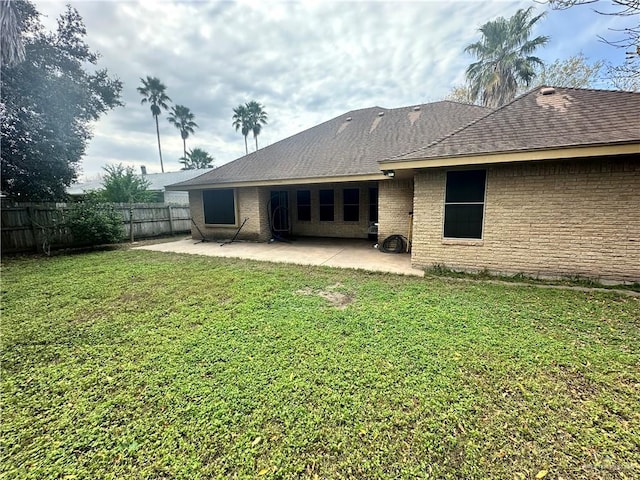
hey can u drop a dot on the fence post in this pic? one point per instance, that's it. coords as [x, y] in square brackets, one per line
[34, 230]
[131, 222]
[170, 219]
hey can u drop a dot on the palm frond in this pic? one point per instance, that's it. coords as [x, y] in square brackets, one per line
[504, 58]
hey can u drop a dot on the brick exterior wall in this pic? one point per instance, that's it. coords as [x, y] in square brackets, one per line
[251, 204]
[338, 228]
[547, 219]
[395, 203]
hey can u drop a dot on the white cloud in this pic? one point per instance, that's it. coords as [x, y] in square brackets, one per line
[305, 61]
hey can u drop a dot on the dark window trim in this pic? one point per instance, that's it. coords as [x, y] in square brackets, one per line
[307, 206]
[345, 205]
[372, 204]
[236, 224]
[332, 204]
[483, 203]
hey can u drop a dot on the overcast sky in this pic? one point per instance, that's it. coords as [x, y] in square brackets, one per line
[306, 62]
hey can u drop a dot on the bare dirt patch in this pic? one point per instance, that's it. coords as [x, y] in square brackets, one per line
[337, 299]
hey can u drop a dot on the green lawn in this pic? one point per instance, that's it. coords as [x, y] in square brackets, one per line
[128, 364]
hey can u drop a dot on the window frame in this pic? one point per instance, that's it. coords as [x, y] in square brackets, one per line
[345, 205]
[332, 204]
[305, 205]
[372, 203]
[235, 208]
[483, 203]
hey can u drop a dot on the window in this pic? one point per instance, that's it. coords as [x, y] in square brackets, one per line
[303, 198]
[326, 205]
[219, 206]
[464, 204]
[351, 204]
[373, 204]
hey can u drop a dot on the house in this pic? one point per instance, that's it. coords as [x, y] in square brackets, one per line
[323, 181]
[547, 185]
[157, 184]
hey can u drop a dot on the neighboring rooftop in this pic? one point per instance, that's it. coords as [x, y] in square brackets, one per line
[158, 181]
[351, 144]
[545, 118]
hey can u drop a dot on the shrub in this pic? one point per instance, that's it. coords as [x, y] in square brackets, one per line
[95, 223]
[122, 185]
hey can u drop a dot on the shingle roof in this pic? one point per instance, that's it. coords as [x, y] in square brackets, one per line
[567, 117]
[351, 144]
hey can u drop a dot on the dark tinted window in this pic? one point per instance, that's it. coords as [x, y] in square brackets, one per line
[326, 197]
[373, 204]
[326, 205]
[219, 207]
[464, 204]
[351, 204]
[303, 198]
[465, 186]
[351, 196]
[463, 221]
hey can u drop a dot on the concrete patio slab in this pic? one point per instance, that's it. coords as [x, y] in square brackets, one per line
[338, 253]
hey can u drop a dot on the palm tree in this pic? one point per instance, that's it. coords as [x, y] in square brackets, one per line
[11, 35]
[197, 158]
[505, 59]
[257, 118]
[241, 121]
[182, 118]
[152, 91]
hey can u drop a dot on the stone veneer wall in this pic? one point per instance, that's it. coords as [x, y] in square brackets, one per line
[549, 219]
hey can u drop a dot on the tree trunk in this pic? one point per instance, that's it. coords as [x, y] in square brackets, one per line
[184, 147]
[246, 148]
[256, 137]
[159, 149]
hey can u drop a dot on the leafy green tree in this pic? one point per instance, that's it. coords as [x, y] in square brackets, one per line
[197, 158]
[122, 185]
[505, 58]
[242, 122]
[573, 72]
[460, 94]
[183, 119]
[153, 93]
[47, 105]
[257, 118]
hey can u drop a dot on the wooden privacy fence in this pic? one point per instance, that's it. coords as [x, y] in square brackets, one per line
[39, 227]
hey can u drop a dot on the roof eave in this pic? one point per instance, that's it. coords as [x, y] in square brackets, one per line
[558, 153]
[282, 181]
